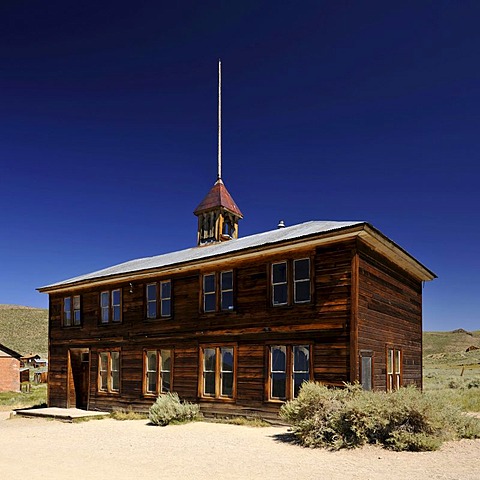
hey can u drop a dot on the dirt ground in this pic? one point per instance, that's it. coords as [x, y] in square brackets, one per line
[111, 449]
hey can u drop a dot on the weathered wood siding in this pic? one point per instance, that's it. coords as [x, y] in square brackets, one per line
[252, 326]
[389, 314]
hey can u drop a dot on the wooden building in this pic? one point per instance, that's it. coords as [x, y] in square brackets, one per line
[9, 370]
[238, 324]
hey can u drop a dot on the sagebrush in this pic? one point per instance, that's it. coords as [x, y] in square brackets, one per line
[350, 417]
[169, 409]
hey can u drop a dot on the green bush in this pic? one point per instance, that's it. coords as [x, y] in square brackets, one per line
[351, 417]
[169, 409]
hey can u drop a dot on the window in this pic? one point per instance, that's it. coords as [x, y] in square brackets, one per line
[289, 367]
[159, 299]
[158, 371]
[221, 283]
[366, 369]
[111, 306]
[394, 368]
[283, 282]
[218, 377]
[279, 283]
[109, 371]
[71, 311]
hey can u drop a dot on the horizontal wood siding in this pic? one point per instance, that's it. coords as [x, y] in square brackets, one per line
[252, 326]
[390, 313]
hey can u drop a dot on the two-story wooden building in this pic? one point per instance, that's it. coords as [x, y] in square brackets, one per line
[237, 324]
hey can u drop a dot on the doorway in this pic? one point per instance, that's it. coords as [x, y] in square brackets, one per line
[78, 378]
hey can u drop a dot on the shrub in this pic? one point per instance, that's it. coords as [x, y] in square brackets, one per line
[474, 383]
[169, 409]
[351, 417]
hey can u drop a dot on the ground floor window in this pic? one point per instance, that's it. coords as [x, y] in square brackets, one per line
[394, 368]
[289, 367]
[158, 371]
[109, 371]
[218, 371]
[366, 369]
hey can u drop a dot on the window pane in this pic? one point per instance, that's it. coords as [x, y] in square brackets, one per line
[298, 379]
[366, 373]
[227, 280]
[227, 359]
[115, 380]
[151, 292]
[103, 380]
[166, 386]
[390, 361]
[115, 360]
[165, 289]
[152, 309]
[67, 315]
[104, 299]
[209, 383]
[152, 360]
[302, 269]
[209, 283]
[116, 297]
[278, 385]
[166, 360]
[280, 294]
[397, 361]
[151, 382]
[209, 302]
[209, 359]
[76, 302]
[227, 384]
[302, 291]
[76, 317]
[104, 361]
[301, 358]
[279, 272]
[278, 359]
[116, 313]
[227, 300]
[166, 310]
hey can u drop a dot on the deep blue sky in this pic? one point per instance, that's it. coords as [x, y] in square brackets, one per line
[338, 110]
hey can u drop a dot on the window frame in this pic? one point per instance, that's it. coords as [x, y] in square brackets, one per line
[218, 396]
[289, 370]
[109, 389]
[158, 301]
[217, 292]
[394, 375]
[159, 371]
[371, 355]
[72, 311]
[110, 307]
[291, 282]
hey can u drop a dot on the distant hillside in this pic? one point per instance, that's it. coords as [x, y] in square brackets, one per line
[449, 342]
[24, 329]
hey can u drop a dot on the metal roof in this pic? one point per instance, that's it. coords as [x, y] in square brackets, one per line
[218, 196]
[212, 250]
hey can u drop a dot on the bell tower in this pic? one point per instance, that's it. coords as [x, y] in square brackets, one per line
[218, 215]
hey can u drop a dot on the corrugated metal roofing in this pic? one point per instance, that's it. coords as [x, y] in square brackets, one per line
[209, 251]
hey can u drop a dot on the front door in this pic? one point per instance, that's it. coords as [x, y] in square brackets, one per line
[78, 377]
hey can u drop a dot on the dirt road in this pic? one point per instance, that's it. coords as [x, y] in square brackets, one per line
[110, 449]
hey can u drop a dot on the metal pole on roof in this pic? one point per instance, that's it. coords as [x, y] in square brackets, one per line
[219, 173]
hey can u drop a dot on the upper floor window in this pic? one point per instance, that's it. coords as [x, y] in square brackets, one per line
[159, 299]
[71, 315]
[158, 371]
[111, 306]
[109, 371]
[290, 288]
[218, 292]
[289, 367]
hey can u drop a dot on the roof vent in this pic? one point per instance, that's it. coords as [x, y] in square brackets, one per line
[281, 224]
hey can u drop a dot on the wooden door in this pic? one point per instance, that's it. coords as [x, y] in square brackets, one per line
[78, 377]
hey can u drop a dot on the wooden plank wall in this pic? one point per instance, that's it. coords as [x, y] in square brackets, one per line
[252, 326]
[390, 312]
